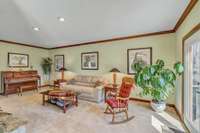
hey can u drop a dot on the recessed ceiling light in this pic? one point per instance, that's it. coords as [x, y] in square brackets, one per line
[36, 28]
[61, 19]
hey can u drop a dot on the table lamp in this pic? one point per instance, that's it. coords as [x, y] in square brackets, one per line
[62, 70]
[114, 71]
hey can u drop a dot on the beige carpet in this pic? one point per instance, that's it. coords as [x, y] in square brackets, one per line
[88, 117]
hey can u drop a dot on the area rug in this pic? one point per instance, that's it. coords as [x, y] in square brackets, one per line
[88, 117]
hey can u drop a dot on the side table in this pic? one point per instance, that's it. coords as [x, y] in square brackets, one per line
[58, 81]
[110, 88]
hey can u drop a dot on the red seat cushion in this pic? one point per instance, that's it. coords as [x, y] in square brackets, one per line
[113, 103]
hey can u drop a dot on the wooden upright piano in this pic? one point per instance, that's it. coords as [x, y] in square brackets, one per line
[13, 80]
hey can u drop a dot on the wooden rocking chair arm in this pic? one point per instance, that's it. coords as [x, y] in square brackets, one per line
[121, 98]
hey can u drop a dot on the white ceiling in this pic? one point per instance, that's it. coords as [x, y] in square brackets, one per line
[85, 20]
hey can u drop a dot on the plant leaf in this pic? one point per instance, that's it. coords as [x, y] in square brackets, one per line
[178, 68]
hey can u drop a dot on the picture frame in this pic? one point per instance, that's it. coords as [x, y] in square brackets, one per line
[59, 62]
[18, 60]
[90, 61]
[138, 54]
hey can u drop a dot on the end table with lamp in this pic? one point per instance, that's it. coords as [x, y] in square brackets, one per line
[114, 71]
[112, 88]
[62, 80]
[58, 82]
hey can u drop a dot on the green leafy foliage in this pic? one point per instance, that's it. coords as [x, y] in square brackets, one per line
[178, 68]
[46, 65]
[156, 80]
[138, 65]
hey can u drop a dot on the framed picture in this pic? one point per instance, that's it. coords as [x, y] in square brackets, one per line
[18, 60]
[90, 61]
[59, 61]
[139, 54]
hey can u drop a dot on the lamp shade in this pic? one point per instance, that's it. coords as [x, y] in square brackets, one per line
[114, 70]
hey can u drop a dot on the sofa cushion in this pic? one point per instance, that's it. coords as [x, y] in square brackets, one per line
[98, 80]
[72, 81]
[95, 79]
[87, 84]
[88, 78]
[81, 89]
[83, 78]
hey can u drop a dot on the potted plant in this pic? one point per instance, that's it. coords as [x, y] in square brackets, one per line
[157, 81]
[46, 65]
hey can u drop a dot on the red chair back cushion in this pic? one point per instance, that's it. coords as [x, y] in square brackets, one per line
[125, 90]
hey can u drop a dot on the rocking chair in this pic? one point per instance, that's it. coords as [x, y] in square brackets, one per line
[119, 103]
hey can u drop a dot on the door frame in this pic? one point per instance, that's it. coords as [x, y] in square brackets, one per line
[187, 36]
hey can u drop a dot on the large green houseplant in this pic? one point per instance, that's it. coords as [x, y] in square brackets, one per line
[157, 81]
[46, 65]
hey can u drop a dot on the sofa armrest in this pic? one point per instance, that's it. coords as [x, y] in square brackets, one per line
[99, 93]
[99, 87]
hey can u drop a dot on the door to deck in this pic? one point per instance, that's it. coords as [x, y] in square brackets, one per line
[192, 83]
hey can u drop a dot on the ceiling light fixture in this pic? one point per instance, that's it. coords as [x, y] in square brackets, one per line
[36, 28]
[61, 19]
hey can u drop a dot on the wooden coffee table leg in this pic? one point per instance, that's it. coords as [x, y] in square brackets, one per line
[64, 106]
[43, 99]
[76, 101]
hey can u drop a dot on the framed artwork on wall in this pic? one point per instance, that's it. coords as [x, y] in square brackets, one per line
[18, 60]
[143, 55]
[90, 61]
[59, 61]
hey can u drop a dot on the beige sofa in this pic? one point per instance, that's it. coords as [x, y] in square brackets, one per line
[90, 87]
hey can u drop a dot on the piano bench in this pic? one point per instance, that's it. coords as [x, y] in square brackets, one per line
[21, 88]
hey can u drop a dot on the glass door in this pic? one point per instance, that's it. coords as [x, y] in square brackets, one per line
[192, 83]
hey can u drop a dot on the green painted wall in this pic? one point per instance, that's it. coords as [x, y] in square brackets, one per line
[191, 21]
[114, 54]
[35, 56]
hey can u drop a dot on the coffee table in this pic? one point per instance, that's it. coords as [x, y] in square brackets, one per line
[66, 96]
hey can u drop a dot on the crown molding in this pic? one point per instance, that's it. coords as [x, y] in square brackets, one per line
[193, 31]
[116, 39]
[185, 14]
[23, 44]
